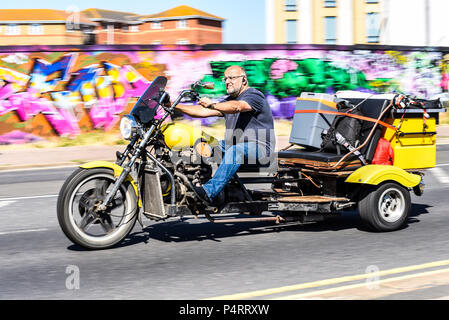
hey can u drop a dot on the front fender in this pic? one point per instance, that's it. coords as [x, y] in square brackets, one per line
[376, 174]
[117, 172]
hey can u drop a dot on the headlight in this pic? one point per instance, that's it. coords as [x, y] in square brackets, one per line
[128, 127]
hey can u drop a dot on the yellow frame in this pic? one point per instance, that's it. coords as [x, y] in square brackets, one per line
[376, 174]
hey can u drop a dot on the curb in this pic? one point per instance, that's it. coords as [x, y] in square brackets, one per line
[84, 159]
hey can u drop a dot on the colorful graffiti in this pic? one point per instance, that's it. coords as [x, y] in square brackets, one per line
[69, 96]
[67, 92]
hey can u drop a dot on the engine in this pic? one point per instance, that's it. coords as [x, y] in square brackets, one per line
[186, 165]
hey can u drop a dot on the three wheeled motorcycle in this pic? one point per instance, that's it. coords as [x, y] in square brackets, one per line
[100, 202]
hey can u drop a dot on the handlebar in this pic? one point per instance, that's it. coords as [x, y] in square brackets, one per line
[209, 85]
[205, 85]
[192, 93]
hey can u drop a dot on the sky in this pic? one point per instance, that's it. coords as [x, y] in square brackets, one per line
[245, 19]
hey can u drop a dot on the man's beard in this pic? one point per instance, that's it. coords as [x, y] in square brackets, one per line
[233, 92]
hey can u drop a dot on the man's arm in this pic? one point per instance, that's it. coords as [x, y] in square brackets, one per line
[226, 107]
[198, 111]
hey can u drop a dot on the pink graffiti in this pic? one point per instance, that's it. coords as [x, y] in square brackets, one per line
[279, 67]
[26, 97]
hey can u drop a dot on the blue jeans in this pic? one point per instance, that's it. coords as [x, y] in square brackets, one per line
[234, 157]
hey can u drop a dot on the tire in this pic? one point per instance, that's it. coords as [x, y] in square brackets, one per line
[385, 207]
[80, 224]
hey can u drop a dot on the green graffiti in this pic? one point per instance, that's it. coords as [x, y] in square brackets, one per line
[311, 75]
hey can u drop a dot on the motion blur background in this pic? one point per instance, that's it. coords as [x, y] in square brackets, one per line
[70, 69]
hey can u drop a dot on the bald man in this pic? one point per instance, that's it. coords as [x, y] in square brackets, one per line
[249, 129]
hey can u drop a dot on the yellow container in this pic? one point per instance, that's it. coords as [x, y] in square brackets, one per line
[414, 144]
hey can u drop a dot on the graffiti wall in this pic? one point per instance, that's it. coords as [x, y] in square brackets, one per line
[65, 91]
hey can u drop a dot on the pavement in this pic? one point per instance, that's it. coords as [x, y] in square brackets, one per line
[22, 158]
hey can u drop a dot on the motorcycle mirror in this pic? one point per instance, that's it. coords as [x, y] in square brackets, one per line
[208, 85]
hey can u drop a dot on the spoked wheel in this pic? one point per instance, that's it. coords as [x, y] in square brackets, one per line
[78, 213]
[386, 207]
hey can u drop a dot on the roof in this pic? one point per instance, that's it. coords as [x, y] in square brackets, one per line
[39, 16]
[96, 14]
[181, 12]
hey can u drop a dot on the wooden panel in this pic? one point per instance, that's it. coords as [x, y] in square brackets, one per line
[319, 164]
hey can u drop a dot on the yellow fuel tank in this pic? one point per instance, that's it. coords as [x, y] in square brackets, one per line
[178, 136]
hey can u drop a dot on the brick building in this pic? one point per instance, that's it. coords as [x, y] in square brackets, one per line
[182, 25]
[44, 26]
[179, 25]
[114, 27]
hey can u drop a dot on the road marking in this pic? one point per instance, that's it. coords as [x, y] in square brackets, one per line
[6, 203]
[22, 231]
[38, 168]
[440, 174]
[27, 198]
[320, 283]
[359, 285]
[442, 165]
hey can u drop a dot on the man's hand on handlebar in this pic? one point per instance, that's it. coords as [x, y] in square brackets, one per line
[167, 103]
[205, 102]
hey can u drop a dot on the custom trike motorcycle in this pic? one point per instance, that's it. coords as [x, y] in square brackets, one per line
[100, 202]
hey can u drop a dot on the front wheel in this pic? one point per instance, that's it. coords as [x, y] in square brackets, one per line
[385, 207]
[78, 200]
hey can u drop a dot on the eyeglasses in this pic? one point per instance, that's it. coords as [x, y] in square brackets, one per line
[232, 78]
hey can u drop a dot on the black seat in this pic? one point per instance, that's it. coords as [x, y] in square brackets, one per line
[312, 155]
[318, 160]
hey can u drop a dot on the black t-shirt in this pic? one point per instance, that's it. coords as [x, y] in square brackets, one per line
[252, 126]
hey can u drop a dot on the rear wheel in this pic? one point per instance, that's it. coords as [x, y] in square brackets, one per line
[385, 207]
[78, 199]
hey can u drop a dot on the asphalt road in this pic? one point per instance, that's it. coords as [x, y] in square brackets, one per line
[195, 259]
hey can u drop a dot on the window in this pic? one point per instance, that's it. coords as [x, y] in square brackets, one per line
[372, 27]
[290, 5]
[134, 28]
[330, 30]
[12, 30]
[182, 41]
[181, 24]
[156, 25]
[372, 1]
[330, 3]
[290, 28]
[35, 29]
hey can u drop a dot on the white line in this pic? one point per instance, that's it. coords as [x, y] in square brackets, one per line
[5, 203]
[22, 231]
[39, 168]
[26, 198]
[442, 165]
[440, 175]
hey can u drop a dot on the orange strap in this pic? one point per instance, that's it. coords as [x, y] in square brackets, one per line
[349, 115]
